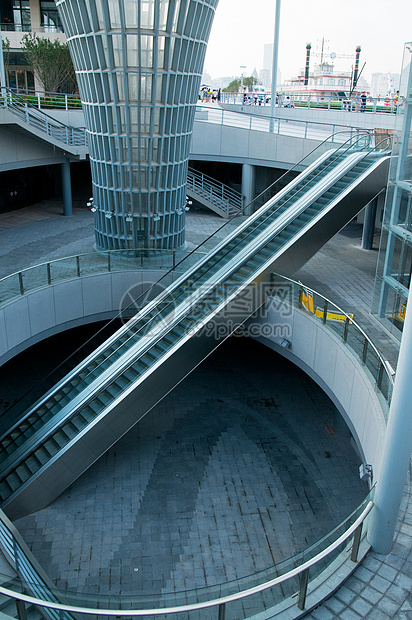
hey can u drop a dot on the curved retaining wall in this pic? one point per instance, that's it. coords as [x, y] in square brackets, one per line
[48, 311]
[331, 364]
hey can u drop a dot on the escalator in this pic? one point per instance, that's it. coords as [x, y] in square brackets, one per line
[86, 412]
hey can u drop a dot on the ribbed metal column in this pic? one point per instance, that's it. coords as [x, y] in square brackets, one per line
[139, 64]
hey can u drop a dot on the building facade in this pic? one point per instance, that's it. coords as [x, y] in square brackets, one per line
[394, 271]
[17, 18]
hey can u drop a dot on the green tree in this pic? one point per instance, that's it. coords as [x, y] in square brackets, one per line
[51, 61]
[250, 82]
[233, 87]
[6, 56]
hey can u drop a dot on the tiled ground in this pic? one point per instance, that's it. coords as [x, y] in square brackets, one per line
[215, 483]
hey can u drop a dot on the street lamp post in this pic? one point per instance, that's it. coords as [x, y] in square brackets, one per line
[2, 71]
[241, 84]
[274, 68]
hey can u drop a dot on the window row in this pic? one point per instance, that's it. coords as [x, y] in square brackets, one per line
[145, 150]
[140, 120]
[173, 16]
[138, 179]
[138, 88]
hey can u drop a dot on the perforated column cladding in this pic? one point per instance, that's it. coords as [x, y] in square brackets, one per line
[139, 64]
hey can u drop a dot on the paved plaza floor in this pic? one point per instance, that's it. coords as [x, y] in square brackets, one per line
[239, 467]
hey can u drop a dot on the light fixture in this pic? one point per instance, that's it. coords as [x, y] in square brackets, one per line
[109, 215]
[286, 344]
[93, 209]
[129, 217]
[365, 472]
[156, 217]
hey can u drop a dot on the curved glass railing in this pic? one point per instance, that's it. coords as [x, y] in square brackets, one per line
[283, 586]
[343, 325]
[67, 268]
[125, 358]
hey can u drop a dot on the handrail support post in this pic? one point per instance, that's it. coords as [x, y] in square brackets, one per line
[365, 351]
[222, 611]
[21, 610]
[325, 312]
[356, 542]
[21, 285]
[303, 588]
[346, 330]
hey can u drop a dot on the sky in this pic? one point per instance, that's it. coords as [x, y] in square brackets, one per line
[242, 27]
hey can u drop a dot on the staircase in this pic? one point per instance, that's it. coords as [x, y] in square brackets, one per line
[30, 118]
[217, 197]
[87, 411]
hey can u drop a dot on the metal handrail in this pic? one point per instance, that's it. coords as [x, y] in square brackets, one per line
[329, 101]
[367, 344]
[316, 130]
[223, 196]
[219, 602]
[215, 114]
[73, 136]
[94, 261]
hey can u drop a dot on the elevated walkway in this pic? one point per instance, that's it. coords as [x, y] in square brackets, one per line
[63, 433]
[30, 120]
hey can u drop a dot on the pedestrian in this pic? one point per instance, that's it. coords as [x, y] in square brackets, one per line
[363, 102]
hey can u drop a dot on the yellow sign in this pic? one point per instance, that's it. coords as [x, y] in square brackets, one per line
[306, 300]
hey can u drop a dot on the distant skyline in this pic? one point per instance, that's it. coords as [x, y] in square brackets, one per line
[242, 27]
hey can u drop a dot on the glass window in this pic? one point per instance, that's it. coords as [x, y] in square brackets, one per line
[21, 15]
[133, 86]
[131, 14]
[114, 13]
[146, 43]
[163, 10]
[117, 50]
[50, 18]
[132, 42]
[147, 14]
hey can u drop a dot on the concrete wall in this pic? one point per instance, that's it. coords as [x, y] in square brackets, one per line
[43, 313]
[210, 142]
[223, 143]
[19, 149]
[332, 365]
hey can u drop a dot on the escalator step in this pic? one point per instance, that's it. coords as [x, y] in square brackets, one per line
[70, 430]
[23, 472]
[78, 422]
[91, 410]
[13, 480]
[32, 463]
[60, 438]
[5, 490]
[51, 446]
[41, 455]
